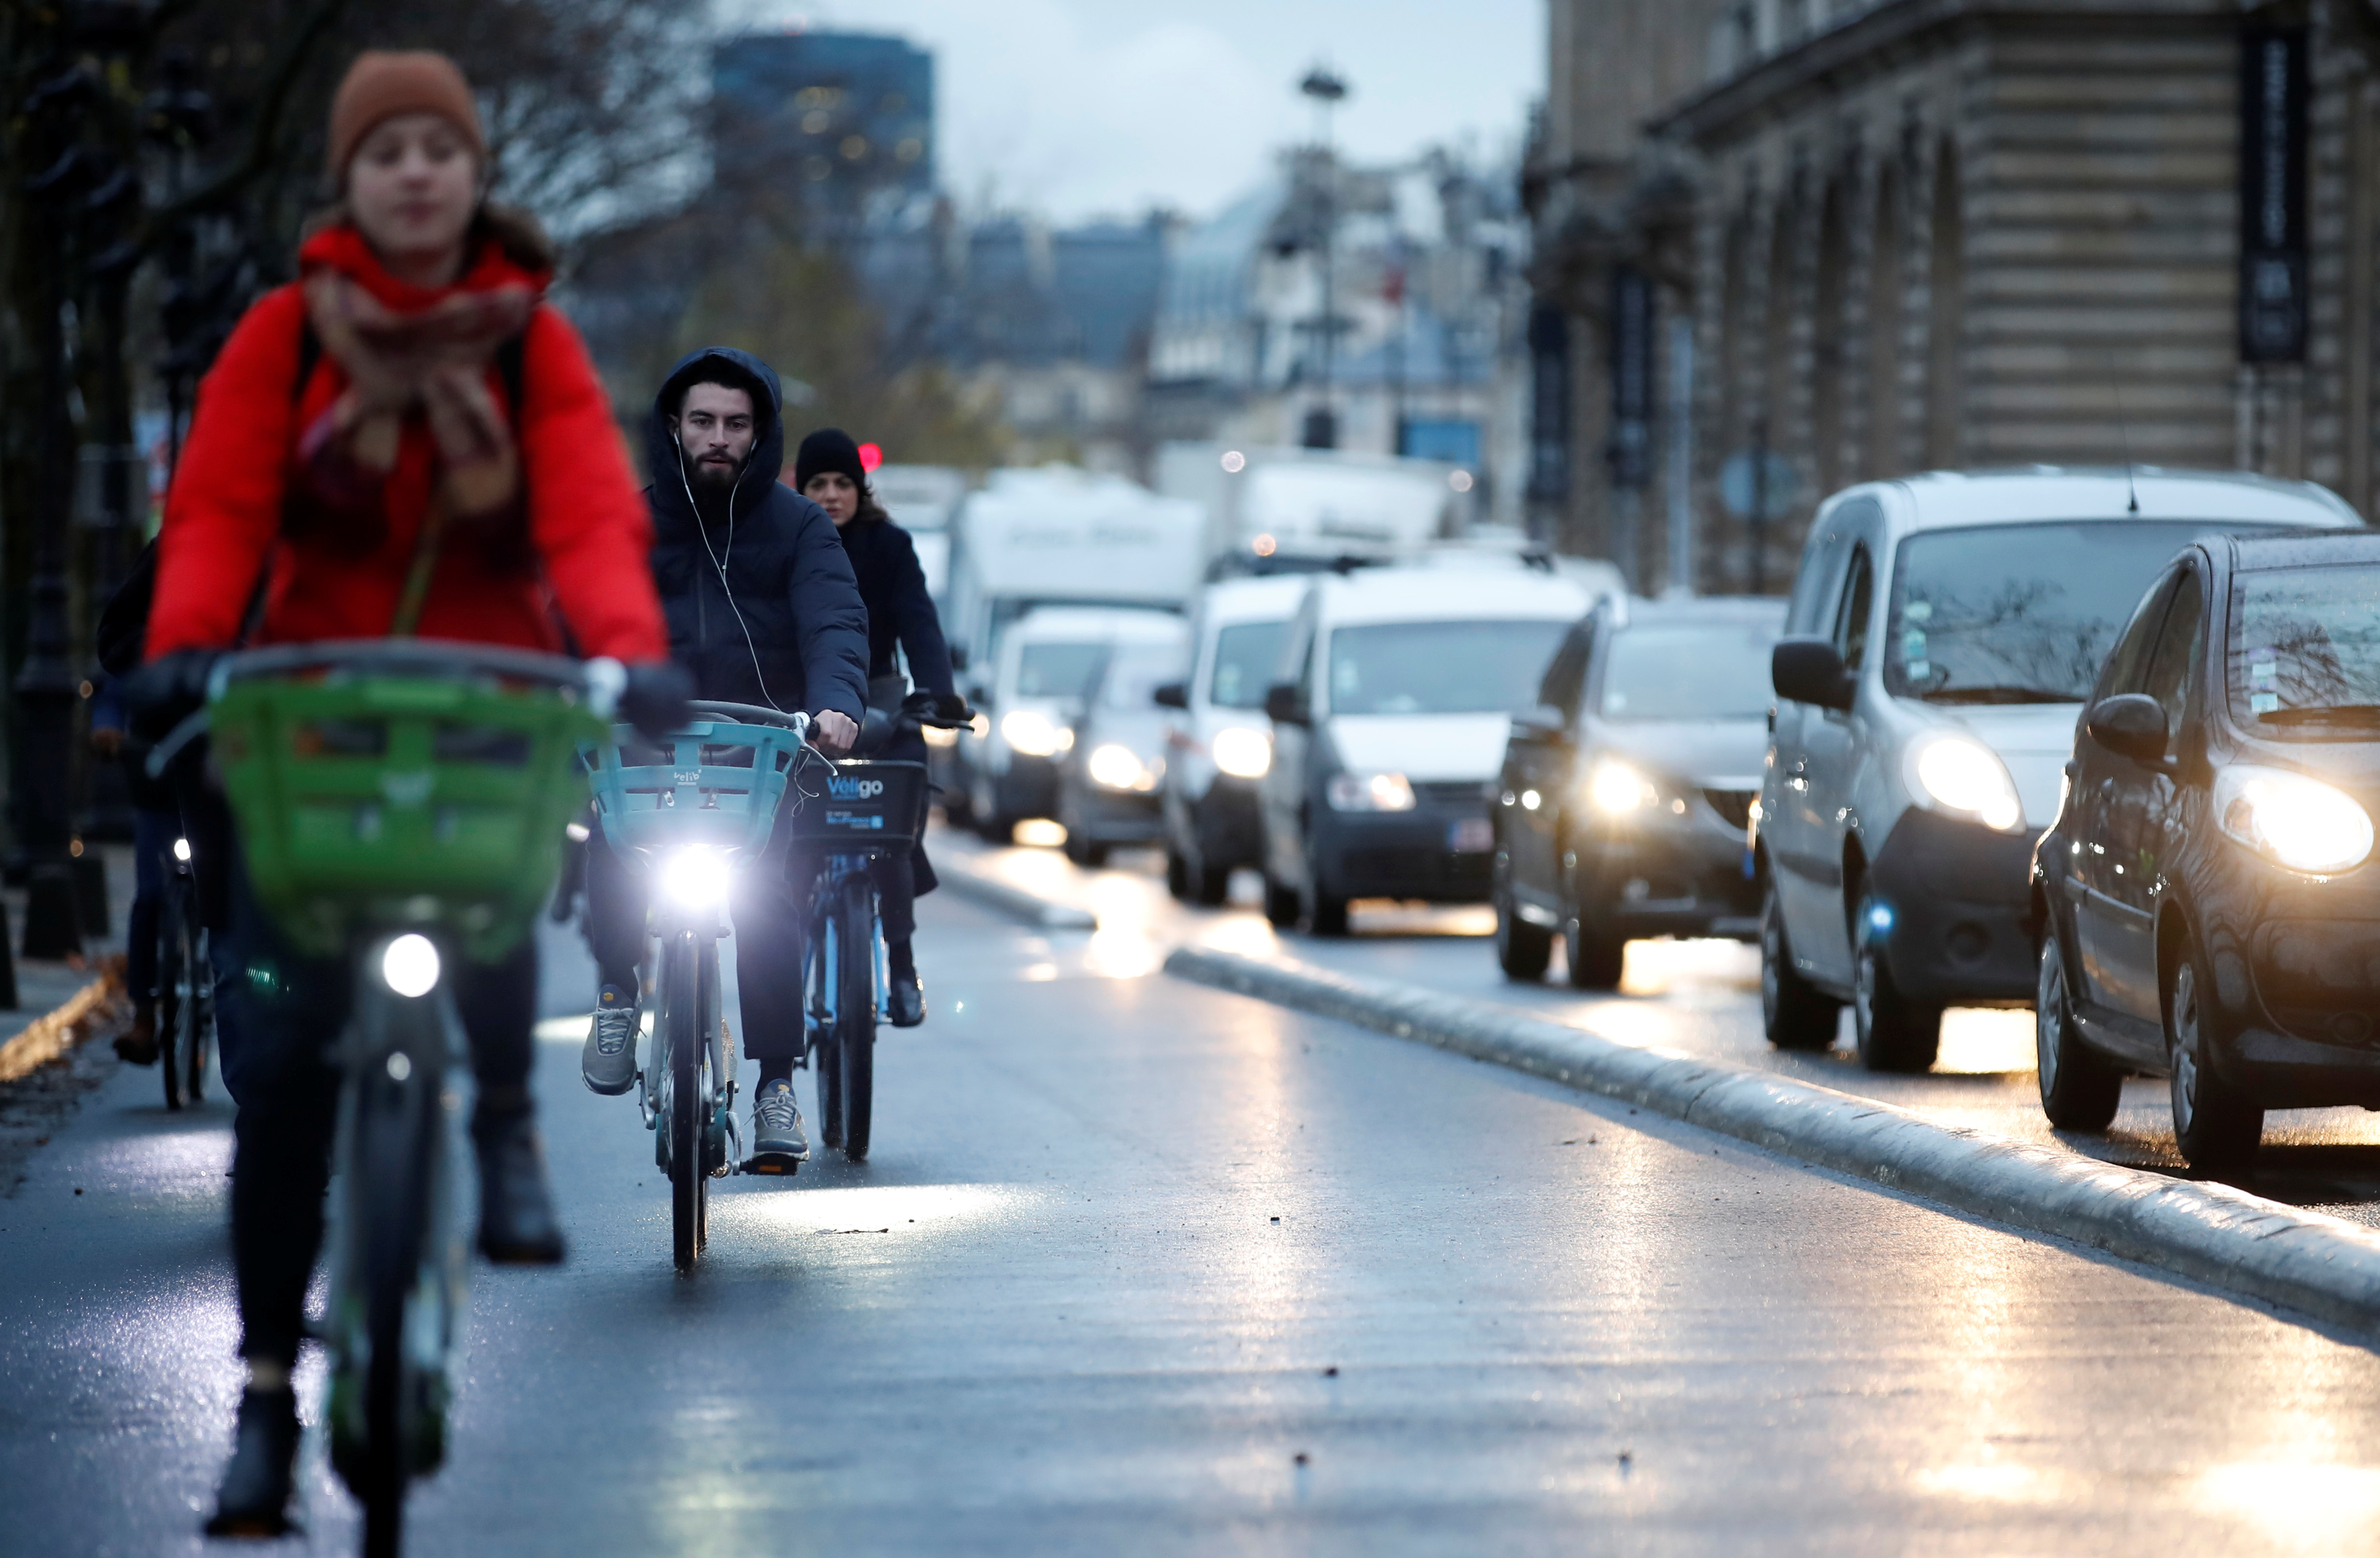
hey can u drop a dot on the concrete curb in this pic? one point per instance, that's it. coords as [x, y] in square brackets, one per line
[1014, 901]
[2225, 1237]
[53, 1033]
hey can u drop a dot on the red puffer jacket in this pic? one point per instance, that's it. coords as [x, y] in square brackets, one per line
[586, 518]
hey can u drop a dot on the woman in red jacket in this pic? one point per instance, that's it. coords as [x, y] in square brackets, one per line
[412, 379]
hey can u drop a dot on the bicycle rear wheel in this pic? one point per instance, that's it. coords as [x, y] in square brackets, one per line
[824, 995]
[685, 1117]
[856, 1011]
[195, 999]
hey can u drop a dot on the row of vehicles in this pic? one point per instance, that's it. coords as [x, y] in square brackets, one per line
[2105, 743]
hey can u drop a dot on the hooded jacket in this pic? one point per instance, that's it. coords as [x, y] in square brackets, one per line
[900, 612]
[761, 604]
[586, 530]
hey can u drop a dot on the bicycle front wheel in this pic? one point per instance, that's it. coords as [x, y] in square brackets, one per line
[397, 1124]
[855, 1011]
[683, 1042]
[172, 986]
[196, 1001]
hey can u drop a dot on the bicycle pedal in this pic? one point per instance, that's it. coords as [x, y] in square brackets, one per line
[777, 1164]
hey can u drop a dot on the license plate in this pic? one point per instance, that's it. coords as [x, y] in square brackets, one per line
[1471, 836]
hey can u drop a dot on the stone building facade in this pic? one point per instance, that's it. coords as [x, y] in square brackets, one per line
[1933, 233]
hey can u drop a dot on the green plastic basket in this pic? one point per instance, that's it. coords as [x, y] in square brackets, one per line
[370, 801]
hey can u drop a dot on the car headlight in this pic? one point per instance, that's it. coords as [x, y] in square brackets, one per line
[1117, 767]
[1243, 753]
[1369, 792]
[1959, 774]
[1616, 787]
[1033, 733]
[696, 876]
[2302, 823]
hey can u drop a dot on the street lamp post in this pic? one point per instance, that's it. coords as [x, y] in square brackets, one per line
[1327, 90]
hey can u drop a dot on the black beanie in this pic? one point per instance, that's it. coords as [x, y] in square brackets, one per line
[828, 449]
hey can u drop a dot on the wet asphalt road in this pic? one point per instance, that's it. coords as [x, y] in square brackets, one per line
[1055, 1314]
[1704, 997]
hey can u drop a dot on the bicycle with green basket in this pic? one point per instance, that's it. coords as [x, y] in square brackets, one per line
[695, 808]
[401, 804]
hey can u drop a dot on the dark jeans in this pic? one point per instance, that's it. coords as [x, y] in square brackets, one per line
[153, 835]
[289, 1010]
[766, 906]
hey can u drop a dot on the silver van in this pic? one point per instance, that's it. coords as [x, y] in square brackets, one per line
[1943, 634]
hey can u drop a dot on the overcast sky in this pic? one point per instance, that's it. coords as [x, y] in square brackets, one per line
[1076, 108]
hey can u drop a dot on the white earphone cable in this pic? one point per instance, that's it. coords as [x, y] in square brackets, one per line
[719, 565]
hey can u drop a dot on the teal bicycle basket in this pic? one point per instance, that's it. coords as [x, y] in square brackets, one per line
[718, 782]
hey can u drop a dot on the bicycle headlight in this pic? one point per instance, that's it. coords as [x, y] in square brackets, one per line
[1116, 767]
[1960, 775]
[1370, 793]
[696, 876]
[1243, 753]
[2298, 822]
[182, 850]
[409, 965]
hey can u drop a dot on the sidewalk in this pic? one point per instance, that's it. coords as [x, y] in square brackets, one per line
[32, 1105]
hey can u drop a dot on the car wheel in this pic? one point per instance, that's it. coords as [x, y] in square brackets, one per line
[2212, 1124]
[1523, 950]
[1281, 904]
[1894, 1032]
[1326, 915]
[1597, 956]
[1794, 1013]
[2080, 1089]
[1210, 885]
[1177, 874]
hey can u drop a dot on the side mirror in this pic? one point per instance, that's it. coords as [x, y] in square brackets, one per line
[1810, 670]
[1283, 707]
[1545, 722]
[2130, 724]
[1170, 694]
[958, 657]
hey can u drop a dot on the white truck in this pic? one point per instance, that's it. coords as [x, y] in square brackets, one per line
[1270, 508]
[1052, 536]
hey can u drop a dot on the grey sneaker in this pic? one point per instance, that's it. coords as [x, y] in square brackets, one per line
[778, 1144]
[608, 1061]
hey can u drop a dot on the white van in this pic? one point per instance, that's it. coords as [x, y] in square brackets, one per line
[1219, 745]
[1943, 634]
[1029, 707]
[1390, 710]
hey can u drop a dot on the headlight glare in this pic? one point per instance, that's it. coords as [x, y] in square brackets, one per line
[1243, 753]
[1033, 733]
[1117, 767]
[2299, 822]
[1370, 793]
[1959, 774]
[1616, 787]
[696, 876]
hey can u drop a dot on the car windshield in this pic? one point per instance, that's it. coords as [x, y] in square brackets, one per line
[1439, 667]
[1245, 654]
[2306, 648]
[1057, 670]
[1136, 671]
[1709, 670]
[2020, 613]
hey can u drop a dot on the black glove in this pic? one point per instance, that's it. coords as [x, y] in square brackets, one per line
[951, 706]
[655, 696]
[165, 692]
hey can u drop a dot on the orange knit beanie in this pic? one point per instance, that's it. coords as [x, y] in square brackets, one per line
[382, 84]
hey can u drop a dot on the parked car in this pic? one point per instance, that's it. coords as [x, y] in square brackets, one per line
[1391, 709]
[1217, 744]
[1107, 780]
[1627, 789]
[1007, 766]
[2206, 897]
[1943, 634]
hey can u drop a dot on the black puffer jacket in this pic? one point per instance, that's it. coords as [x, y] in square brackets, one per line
[761, 603]
[899, 610]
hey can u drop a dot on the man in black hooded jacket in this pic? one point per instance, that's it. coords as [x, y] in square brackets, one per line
[762, 610]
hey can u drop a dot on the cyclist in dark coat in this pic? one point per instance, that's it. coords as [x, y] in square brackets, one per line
[901, 616]
[763, 609]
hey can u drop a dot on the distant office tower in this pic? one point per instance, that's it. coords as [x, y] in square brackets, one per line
[831, 119]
